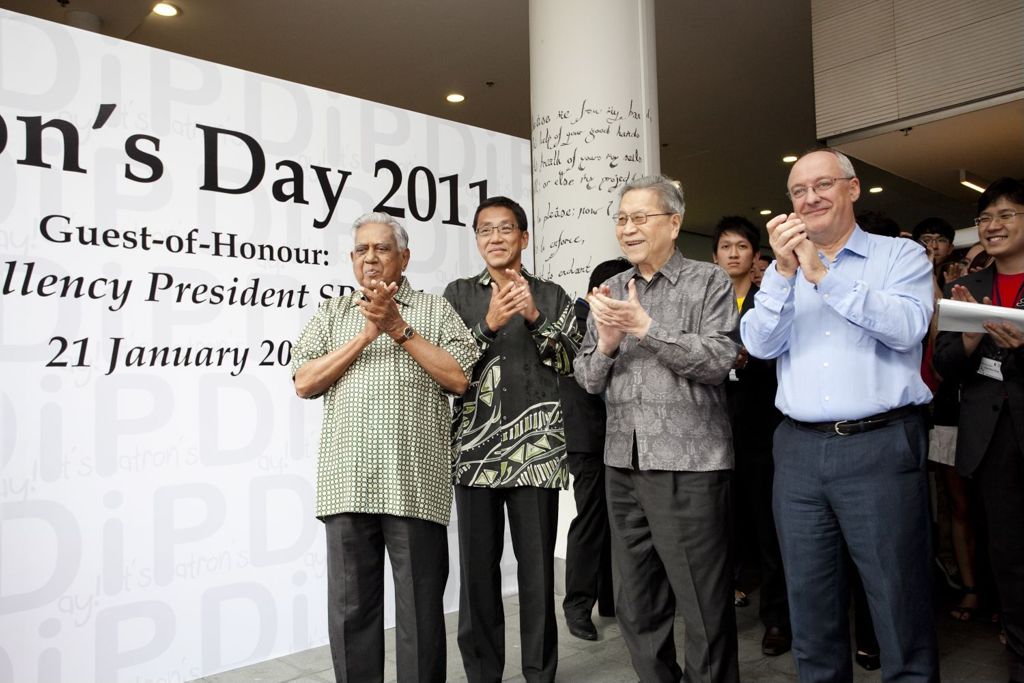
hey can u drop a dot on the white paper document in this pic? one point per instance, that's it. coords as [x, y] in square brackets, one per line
[960, 316]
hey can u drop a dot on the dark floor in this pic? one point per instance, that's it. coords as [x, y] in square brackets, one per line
[968, 651]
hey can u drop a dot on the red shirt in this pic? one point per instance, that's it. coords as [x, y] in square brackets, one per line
[1008, 290]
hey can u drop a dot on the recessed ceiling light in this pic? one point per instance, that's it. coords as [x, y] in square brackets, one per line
[455, 98]
[789, 158]
[166, 9]
[766, 212]
[875, 190]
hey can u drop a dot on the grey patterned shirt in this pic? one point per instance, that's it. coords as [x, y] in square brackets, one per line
[384, 444]
[667, 388]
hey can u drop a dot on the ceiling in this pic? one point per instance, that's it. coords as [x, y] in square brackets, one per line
[735, 85]
[989, 143]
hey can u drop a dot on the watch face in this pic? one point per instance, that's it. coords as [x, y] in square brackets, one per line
[408, 332]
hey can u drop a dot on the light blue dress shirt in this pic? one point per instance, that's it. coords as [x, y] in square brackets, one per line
[849, 347]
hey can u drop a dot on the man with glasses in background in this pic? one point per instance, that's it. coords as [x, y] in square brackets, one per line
[844, 312]
[936, 236]
[509, 444]
[990, 368]
[658, 346]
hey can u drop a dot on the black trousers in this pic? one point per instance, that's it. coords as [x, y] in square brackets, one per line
[752, 495]
[533, 522]
[588, 556]
[355, 596]
[670, 549]
[1000, 478]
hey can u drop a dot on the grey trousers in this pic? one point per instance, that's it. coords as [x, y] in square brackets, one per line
[670, 548]
[867, 493]
[355, 593]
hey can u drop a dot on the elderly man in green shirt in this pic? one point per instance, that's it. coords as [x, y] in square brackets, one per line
[385, 359]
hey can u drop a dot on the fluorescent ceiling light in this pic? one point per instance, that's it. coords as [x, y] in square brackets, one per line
[165, 9]
[455, 98]
[968, 179]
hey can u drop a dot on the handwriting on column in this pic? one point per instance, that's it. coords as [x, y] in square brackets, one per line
[582, 156]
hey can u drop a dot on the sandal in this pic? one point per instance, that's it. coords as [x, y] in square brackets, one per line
[740, 598]
[964, 612]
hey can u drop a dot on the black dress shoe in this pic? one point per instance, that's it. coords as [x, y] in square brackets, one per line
[867, 662]
[776, 641]
[581, 626]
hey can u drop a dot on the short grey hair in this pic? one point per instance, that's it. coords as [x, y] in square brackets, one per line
[669, 190]
[401, 236]
[845, 165]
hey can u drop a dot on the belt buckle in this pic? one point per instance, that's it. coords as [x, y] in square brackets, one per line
[839, 426]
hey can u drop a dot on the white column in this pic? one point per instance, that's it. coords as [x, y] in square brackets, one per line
[594, 107]
[594, 104]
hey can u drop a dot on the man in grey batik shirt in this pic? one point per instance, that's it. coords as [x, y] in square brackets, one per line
[658, 346]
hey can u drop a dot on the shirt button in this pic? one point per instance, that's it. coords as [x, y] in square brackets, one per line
[825, 364]
[828, 333]
[828, 398]
[825, 295]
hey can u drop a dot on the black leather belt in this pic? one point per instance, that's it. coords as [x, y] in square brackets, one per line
[848, 427]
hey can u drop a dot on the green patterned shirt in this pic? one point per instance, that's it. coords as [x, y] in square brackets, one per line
[508, 428]
[384, 444]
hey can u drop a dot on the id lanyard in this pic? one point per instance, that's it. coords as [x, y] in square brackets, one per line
[997, 298]
[991, 366]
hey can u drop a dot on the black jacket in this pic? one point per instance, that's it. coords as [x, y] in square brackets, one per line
[584, 413]
[981, 398]
[752, 408]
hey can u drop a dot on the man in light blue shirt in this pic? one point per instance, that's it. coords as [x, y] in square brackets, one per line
[844, 312]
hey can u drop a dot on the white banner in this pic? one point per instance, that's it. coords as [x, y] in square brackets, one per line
[166, 227]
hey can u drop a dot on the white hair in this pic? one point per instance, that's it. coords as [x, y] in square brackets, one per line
[401, 236]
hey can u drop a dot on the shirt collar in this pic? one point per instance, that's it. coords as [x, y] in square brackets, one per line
[859, 243]
[484, 279]
[671, 270]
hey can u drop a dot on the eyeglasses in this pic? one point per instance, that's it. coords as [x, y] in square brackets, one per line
[820, 186]
[505, 229]
[1004, 217]
[932, 240]
[638, 218]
